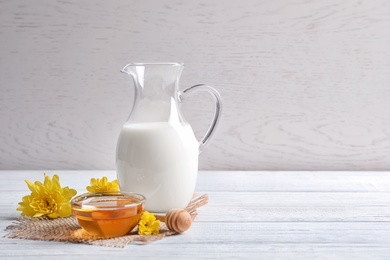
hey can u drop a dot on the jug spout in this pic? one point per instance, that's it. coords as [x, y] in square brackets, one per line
[125, 69]
[129, 68]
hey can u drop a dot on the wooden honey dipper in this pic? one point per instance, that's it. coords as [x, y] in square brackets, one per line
[178, 220]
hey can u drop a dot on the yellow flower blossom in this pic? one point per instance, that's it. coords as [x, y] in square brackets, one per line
[148, 224]
[100, 185]
[47, 199]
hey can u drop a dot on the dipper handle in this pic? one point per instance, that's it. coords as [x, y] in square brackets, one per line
[177, 220]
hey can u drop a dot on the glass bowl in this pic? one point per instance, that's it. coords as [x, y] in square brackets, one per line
[108, 214]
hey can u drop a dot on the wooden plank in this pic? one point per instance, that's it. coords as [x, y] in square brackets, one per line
[204, 251]
[264, 181]
[274, 206]
[207, 240]
[300, 181]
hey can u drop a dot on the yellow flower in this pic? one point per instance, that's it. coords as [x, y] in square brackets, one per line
[47, 199]
[100, 185]
[148, 224]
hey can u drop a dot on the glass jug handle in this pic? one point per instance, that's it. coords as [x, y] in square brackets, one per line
[217, 114]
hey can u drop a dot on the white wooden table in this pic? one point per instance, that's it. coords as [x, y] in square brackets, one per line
[257, 215]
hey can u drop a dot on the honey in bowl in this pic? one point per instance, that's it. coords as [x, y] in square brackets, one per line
[108, 214]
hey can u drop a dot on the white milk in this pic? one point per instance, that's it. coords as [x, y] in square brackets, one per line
[159, 161]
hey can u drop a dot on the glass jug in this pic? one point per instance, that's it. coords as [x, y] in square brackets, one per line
[157, 152]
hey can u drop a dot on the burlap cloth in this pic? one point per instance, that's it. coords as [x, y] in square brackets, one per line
[68, 229]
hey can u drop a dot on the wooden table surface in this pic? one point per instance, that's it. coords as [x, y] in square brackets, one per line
[250, 215]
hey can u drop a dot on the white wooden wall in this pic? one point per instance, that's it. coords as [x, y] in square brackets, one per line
[305, 84]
